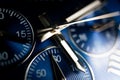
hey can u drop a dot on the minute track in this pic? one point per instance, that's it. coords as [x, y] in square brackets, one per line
[17, 37]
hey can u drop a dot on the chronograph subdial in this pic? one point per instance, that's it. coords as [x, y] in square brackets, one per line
[16, 37]
[95, 37]
[52, 64]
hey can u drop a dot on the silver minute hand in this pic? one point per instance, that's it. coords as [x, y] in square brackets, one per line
[62, 27]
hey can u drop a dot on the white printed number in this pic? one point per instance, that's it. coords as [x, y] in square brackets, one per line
[3, 56]
[40, 73]
[21, 33]
[57, 58]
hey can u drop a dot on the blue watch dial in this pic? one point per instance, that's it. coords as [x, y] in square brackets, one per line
[42, 67]
[16, 37]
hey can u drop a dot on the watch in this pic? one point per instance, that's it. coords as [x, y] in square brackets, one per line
[59, 40]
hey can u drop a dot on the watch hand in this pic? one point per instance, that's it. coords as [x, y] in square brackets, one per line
[57, 70]
[69, 53]
[77, 15]
[104, 27]
[104, 16]
[62, 27]
[92, 6]
[8, 36]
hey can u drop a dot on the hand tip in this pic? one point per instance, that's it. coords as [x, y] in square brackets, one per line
[80, 67]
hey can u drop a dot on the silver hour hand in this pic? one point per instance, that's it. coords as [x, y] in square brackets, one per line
[58, 74]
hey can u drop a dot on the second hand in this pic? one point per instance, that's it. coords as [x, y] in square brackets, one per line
[64, 26]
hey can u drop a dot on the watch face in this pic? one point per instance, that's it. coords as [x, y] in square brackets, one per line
[90, 50]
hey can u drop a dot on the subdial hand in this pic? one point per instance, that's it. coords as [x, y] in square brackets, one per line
[58, 74]
[103, 27]
[4, 35]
